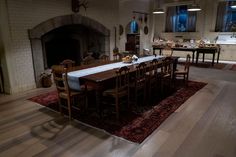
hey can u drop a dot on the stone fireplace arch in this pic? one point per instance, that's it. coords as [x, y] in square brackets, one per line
[35, 36]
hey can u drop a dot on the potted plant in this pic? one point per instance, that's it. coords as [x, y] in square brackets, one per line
[45, 78]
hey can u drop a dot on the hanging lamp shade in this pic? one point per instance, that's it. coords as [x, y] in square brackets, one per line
[158, 11]
[233, 5]
[194, 7]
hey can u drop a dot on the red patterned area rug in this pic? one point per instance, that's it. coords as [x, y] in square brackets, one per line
[137, 124]
[233, 67]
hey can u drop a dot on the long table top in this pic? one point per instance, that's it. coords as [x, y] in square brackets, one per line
[186, 48]
[73, 77]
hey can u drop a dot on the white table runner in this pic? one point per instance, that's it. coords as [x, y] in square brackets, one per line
[73, 77]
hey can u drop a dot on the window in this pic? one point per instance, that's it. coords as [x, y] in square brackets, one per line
[178, 19]
[226, 17]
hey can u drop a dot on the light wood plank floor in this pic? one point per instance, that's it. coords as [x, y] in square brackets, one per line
[204, 126]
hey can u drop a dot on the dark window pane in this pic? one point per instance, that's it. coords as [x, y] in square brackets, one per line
[180, 19]
[226, 17]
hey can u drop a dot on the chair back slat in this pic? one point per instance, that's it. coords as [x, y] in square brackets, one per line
[167, 65]
[104, 58]
[67, 63]
[122, 78]
[187, 63]
[153, 66]
[141, 70]
[60, 78]
[57, 71]
[88, 60]
[156, 66]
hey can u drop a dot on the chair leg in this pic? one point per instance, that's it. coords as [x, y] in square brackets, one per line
[149, 94]
[186, 81]
[86, 100]
[162, 89]
[128, 100]
[69, 109]
[144, 95]
[135, 97]
[117, 109]
[60, 109]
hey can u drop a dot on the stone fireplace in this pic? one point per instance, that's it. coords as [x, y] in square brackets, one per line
[66, 37]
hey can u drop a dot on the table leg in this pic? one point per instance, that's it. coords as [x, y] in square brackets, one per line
[203, 57]
[197, 58]
[213, 59]
[160, 52]
[218, 56]
[175, 62]
[193, 56]
[98, 93]
[98, 99]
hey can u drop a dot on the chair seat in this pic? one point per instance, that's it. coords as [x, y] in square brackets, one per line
[181, 72]
[166, 75]
[64, 95]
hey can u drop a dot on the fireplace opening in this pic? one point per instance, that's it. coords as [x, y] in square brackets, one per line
[62, 48]
[71, 42]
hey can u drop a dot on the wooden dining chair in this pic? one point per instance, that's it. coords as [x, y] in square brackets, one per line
[168, 52]
[67, 98]
[88, 60]
[104, 58]
[119, 94]
[138, 85]
[154, 80]
[167, 75]
[117, 57]
[67, 63]
[184, 73]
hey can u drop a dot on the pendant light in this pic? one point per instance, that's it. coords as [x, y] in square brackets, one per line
[194, 7]
[158, 10]
[233, 5]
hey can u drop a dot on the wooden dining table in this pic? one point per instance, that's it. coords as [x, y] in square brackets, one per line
[199, 50]
[208, 50]
[161, 48]
[104, 80]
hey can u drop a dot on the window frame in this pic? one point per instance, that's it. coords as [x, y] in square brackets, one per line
[222, 27]
[175, 30]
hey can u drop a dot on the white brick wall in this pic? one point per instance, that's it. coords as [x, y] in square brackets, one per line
[26, 14]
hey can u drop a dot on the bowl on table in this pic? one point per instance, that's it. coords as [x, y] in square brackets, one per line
[127, 59]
